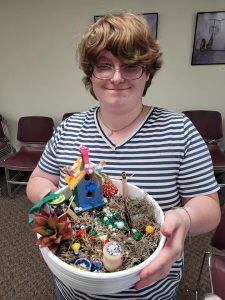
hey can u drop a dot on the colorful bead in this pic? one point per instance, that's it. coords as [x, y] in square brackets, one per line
[136, 235]
[149, 229]
[80, 233]
[120, 224]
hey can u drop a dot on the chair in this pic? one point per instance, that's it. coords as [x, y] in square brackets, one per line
[216, 264]
[209, 125]
[33, 133]
[67, 115]
[5, 146]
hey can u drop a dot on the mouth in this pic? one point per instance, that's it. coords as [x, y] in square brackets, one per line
[117, 89]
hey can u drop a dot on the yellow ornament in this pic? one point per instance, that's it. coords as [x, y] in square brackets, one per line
[149, 229]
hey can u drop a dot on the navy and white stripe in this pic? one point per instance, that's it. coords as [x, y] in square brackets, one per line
[166, 157]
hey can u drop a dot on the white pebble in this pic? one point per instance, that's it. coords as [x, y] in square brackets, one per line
[120, 224]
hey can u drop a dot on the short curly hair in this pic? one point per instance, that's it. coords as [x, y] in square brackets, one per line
[127, 36]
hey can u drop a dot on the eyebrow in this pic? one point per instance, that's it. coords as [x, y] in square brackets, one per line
[103, 58]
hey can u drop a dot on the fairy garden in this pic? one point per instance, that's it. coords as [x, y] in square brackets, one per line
[92, 226]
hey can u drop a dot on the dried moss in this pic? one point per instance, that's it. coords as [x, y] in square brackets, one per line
[142, 214]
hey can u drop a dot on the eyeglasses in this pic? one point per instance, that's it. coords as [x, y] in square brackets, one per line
[131, 72]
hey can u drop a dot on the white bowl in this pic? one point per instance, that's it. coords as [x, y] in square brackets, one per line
[103, 283]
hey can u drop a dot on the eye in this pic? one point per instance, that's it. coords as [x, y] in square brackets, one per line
[131, 67]
[103, 66]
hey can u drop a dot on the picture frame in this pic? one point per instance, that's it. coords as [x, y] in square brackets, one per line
[209, 39]
[152, 19]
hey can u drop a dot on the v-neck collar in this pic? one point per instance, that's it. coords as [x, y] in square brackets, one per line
[106, 138]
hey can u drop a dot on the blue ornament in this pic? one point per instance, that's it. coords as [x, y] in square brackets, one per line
[96, 266]
[83, 264]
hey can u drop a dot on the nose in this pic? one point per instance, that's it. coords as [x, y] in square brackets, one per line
[117, 76]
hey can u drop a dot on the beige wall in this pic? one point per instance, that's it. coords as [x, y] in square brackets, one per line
[39, 74]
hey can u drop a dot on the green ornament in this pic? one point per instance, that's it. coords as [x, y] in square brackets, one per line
[136, 235]
[92, 232]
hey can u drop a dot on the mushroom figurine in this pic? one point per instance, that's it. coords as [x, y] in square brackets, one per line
[75, 247]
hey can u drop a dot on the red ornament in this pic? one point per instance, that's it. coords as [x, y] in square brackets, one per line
[104, 242]
[80, 233]
[109, 189]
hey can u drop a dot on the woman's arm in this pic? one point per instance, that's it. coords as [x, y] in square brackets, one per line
[40, 184]
[204, 212]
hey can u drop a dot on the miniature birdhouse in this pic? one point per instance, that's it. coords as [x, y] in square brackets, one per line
[88, 193]
[85, 183]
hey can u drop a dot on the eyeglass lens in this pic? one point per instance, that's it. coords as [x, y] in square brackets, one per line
[127, 71]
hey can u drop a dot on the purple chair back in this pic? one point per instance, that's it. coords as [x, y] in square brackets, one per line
[35, 129]
[207, 122]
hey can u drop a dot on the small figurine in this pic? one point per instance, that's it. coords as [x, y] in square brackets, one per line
[100, 166]
[112, 256]
[83, 264]
[96, 266]
[75, 247]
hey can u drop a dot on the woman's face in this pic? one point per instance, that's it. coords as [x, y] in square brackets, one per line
[117, 91]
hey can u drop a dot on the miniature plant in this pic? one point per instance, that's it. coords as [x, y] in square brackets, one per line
[53, 230]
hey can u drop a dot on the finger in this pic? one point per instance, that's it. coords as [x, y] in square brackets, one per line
[169, 225]
[155, 273]
[172, 222]
[161, 265]
[156, 266]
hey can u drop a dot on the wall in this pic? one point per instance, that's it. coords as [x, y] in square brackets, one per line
[39, 73]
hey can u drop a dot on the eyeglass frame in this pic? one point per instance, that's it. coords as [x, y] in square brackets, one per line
[119, 69]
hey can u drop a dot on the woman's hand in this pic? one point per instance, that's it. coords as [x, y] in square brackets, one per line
[175, 229]
[40, 184]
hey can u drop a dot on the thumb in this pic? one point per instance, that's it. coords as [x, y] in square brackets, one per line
[168, 226]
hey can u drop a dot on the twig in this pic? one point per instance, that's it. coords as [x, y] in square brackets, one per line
[125, 196]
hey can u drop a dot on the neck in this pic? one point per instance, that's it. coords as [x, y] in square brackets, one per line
[119, 123]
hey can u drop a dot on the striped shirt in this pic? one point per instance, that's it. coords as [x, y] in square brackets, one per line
[165, 156]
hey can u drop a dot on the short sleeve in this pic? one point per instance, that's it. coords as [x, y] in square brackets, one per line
[196, 175]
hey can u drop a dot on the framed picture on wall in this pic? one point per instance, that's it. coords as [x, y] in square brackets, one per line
[209, 39]
[152, 19]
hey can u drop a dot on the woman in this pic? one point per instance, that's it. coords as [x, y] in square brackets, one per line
[160, 150]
